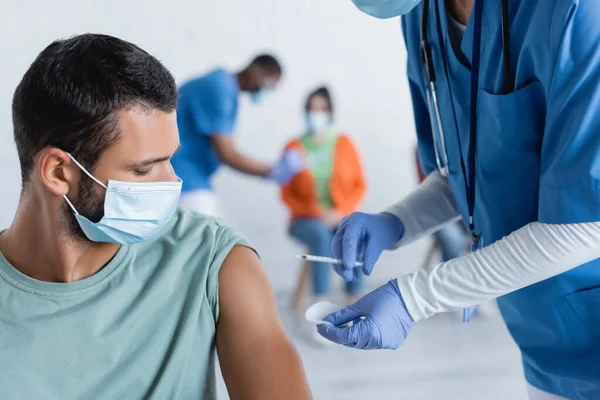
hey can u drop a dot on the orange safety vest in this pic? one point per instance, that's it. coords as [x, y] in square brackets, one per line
[347, 183]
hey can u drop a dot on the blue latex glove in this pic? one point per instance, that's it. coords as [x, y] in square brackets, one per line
[385, 325]
[468, 313]
[291, 163]
[363, 237]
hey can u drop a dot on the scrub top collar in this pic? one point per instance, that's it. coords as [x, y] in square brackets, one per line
[439, 11]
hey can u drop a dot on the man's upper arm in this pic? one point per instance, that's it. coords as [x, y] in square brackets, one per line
[257, 359]
[570, 154]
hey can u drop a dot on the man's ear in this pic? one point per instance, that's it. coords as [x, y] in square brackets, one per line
[56, 171]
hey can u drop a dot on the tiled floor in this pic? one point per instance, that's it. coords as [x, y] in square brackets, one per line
[441, 359]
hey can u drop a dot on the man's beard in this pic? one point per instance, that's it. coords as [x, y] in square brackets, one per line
[88, 204]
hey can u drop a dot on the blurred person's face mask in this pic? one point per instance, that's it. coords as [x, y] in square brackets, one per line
[133, 211]
[260, 96]
[317, 121]
[264, 92]
[386, 8]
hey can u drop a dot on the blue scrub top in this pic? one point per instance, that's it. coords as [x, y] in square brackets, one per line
[538, 159]
[207, 106]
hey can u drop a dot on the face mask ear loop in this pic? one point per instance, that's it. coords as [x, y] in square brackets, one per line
[70, 204]
[86, 172]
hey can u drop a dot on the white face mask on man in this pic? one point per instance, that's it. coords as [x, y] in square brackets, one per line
[133, 211]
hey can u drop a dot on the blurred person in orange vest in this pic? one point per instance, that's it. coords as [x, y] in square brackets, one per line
[331, 188]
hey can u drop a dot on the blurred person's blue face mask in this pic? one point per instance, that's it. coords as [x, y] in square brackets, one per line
[386, 8]
[317, 121]
[260, 96]
[266, 90]
[133, 211]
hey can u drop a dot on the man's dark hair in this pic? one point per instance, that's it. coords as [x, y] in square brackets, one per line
[323, 92]
[70, 95]
[268, 64]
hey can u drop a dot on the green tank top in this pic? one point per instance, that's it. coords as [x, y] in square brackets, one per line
[142, 327]
[320, 156]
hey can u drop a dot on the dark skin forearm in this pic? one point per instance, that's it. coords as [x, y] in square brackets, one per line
[229, 155]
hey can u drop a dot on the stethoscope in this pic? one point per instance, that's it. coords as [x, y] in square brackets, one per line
[435, 116]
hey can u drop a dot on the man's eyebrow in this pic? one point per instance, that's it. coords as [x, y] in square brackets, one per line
[150, 161]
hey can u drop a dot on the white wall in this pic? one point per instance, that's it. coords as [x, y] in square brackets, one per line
[318, 41]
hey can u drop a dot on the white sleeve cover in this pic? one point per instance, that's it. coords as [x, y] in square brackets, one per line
[529, 255]
[426, 209]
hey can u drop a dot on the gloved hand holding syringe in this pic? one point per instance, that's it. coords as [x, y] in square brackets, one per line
[361, 324]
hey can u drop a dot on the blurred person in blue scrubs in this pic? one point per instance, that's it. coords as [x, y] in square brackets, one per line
[506, 99]
[206, 116]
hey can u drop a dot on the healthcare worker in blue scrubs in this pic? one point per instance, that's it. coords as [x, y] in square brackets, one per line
[506, 99]
[207, 112]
